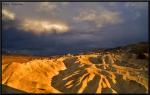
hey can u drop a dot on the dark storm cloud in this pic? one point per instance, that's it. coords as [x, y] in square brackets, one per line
[118, 26]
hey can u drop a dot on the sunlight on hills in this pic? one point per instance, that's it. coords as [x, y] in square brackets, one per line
[107, 72]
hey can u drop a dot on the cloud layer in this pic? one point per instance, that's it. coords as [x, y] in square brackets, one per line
[100, 18]
[37, 26]
[7, 15]
[47, 28]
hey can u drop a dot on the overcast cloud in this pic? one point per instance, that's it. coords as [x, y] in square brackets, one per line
[48, 28]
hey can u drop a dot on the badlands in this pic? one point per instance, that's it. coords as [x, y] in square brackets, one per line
[118, 70]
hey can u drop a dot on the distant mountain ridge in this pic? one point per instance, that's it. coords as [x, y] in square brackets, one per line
[23, 52]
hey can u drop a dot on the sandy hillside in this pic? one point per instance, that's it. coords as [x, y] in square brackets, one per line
[120, 70]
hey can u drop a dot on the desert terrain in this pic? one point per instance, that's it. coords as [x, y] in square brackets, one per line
[118, 70]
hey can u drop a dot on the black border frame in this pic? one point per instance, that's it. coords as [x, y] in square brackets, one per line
[148, 1]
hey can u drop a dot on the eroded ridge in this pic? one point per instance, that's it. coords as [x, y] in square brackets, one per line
[100, 74]
[85, 73]
[33, 76]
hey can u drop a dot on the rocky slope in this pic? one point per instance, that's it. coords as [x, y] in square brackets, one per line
[120, 70]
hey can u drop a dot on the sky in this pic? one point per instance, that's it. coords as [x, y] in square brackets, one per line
[52, 28]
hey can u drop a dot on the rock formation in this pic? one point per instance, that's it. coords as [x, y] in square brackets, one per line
[113, 71]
